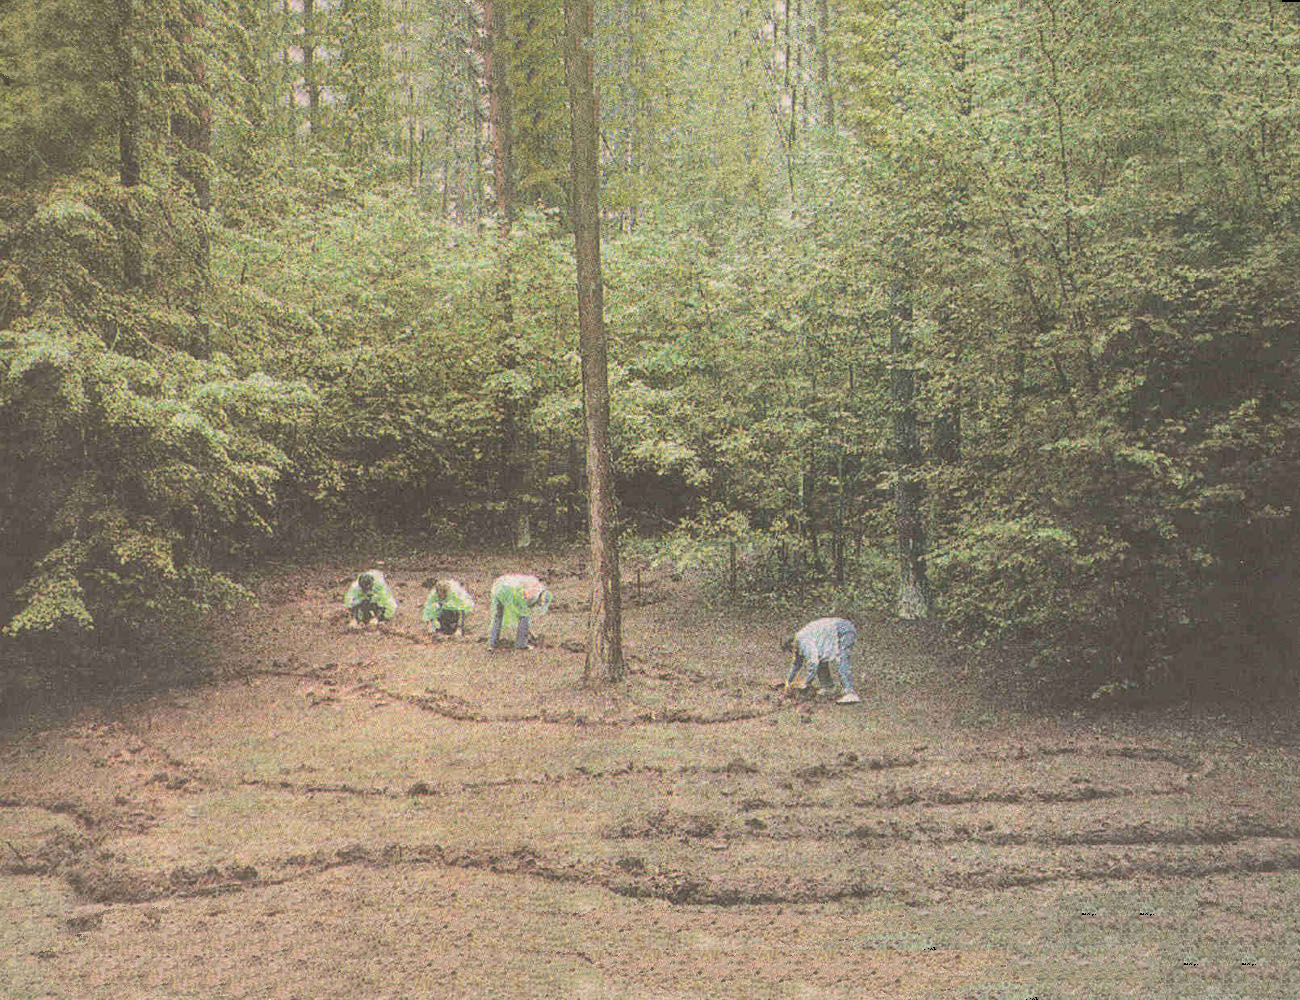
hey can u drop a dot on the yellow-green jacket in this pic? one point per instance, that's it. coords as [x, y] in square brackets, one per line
[520, 596]
[458, 599]
[379, 594]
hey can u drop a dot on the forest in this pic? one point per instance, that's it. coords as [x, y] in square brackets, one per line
[985, 311]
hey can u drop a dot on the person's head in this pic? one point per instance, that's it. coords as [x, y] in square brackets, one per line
[443, 589]
[787, 644]
[537, 596]
[366, 581]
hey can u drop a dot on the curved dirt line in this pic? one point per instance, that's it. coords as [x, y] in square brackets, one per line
[844, 828]
[82, 816]
[108, 885]
[450, 707]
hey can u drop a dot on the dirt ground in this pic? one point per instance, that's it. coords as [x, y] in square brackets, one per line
[374, 814]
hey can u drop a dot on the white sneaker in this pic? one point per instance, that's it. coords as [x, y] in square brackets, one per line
[848, 699]
[354, 624]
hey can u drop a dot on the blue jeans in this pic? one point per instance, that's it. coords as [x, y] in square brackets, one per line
[848, 635]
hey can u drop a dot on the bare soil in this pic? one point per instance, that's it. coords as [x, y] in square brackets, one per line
[377, 814]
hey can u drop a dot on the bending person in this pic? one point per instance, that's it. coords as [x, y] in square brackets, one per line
[515, 599]
[821, 642]
[447, 608]
[369, 599]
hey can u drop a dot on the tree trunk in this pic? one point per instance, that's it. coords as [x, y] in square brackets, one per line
[289, 75]
[913, 586]
[129, 147]
[604, 628]
[946, 437]
[824, 61]
[310, 83]
[837, 537]
[475, 120]
[496, 69]
[191, 127]
[629, 108]
[191, 122]
[410, 139]
[808, 478]
[573, 517]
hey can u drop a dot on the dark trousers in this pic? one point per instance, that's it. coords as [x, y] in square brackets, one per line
[449, 621]
[367, 610]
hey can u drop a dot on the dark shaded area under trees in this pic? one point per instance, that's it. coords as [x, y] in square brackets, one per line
[258, 292]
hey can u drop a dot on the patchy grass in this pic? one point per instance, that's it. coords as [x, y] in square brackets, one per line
[376, 814]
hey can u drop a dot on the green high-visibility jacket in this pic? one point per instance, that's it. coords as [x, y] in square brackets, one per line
[458, 599]
[379, 594]
[520, 596]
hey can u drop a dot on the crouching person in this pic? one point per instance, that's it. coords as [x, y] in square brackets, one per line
[447, 608]
[370, 600]
[826, 641]
[515, 599]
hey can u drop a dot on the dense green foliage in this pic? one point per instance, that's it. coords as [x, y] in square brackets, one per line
[1106, 256]
[1086, 216]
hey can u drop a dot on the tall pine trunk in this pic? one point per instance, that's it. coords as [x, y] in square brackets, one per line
[604, 627]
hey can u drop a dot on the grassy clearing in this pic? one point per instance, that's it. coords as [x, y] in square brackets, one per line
[377, 815]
